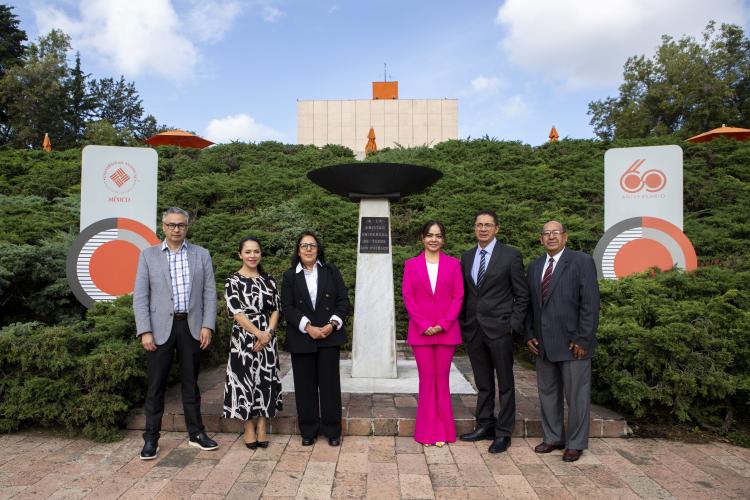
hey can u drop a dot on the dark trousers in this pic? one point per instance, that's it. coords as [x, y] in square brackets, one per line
[317, 391]
[159, 363]
[488, 357]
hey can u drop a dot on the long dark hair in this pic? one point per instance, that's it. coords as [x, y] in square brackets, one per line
[244, 240]
[321, 250]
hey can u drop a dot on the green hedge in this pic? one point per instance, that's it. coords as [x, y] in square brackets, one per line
[676, 344]
[653, 359]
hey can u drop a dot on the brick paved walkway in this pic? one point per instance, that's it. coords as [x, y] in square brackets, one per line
[46, 465]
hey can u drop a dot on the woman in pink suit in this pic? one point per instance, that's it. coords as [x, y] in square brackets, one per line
[433, 292]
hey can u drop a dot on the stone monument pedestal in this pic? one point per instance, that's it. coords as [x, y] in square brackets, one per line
[374, 342]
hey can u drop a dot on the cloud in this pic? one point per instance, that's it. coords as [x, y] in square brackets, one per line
[586, 42]
[271, 14]
[137, 37]
[210, 20]
[239, 127]
[513, 107]
[483, 84]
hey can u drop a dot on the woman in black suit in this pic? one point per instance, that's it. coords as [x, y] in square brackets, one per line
[315, 303]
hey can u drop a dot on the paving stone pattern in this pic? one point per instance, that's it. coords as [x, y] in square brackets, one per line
[37, 464]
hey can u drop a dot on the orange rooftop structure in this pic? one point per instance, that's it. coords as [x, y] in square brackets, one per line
[178, 138]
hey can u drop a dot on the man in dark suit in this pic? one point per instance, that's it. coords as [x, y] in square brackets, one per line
[495, 301]
[561, 333]
[174, 301]
[315, 302]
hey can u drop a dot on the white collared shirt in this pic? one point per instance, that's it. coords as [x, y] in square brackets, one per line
[555, 259]
[477, 257]
[311, 279]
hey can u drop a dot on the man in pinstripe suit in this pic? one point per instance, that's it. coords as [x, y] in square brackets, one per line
[561, 333]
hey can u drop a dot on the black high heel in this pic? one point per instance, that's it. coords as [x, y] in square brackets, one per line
[262, 444]
[254, 445]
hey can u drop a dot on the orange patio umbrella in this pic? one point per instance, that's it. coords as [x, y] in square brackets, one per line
[740, 134]
[371, 147]
[178, 138]
[553, 135]
[47, 143]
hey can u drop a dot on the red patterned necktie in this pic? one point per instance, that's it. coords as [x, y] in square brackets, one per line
[547, 279]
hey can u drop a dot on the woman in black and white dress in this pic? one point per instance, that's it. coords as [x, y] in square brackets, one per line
[253, 387]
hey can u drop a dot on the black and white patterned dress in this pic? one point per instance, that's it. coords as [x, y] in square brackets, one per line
[252, 387]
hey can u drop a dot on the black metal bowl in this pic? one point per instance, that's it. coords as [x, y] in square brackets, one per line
[374, 180]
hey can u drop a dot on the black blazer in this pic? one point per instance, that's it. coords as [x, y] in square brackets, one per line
[499, 305]
[571, 309]
[332, 298]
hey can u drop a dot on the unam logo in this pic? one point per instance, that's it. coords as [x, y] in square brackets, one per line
[119, 177]
[633, 181]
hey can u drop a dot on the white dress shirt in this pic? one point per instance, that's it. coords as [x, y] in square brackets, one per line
[311, 279]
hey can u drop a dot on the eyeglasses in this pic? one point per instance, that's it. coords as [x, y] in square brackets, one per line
[549, 234]
[175, 227]
[308, 246]
[486, 225]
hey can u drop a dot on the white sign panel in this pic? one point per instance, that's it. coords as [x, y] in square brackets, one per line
[118, 182]
[645, 181]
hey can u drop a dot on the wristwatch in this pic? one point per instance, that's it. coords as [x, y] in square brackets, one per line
[272, 332]
[333, 324]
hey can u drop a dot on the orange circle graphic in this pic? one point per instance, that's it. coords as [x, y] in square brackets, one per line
[113, 266]
[638, 255]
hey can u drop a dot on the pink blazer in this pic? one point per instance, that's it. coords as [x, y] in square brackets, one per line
[428, 309]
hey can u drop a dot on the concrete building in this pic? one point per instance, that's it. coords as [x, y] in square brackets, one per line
[405, 122]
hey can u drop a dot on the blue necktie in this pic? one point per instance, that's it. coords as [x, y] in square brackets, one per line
[482, 268]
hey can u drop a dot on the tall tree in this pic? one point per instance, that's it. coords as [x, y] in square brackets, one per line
[11, 52]
[80, 102]
[11, 39]
[117, 102]
[35, 95]
[687, 87]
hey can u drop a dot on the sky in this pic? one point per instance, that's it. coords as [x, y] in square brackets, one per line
[234, 69]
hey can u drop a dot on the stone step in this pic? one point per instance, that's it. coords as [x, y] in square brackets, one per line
[382, 419]
[378, 414]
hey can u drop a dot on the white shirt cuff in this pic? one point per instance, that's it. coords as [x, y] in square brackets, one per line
[303, 323]
[338, 321]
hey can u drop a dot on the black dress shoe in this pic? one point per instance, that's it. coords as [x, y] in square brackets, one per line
[308, 441]
[547, 448]
[150, 448]
[478, 434]
[252, 445]
[571, 455]
[334, 441]
[203, 442]
[499, 445]
[262, 444]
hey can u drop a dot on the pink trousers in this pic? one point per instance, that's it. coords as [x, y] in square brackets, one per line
[434, 411]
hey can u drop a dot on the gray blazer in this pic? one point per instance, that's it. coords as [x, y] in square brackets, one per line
[153, 303]
[571, 309]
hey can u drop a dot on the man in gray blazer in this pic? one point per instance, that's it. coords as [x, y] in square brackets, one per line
[561, 333]
[174, 301]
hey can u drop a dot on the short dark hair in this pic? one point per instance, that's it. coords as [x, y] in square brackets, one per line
[321, 250]
[256, 240]
[485, 211]
[427, 225]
